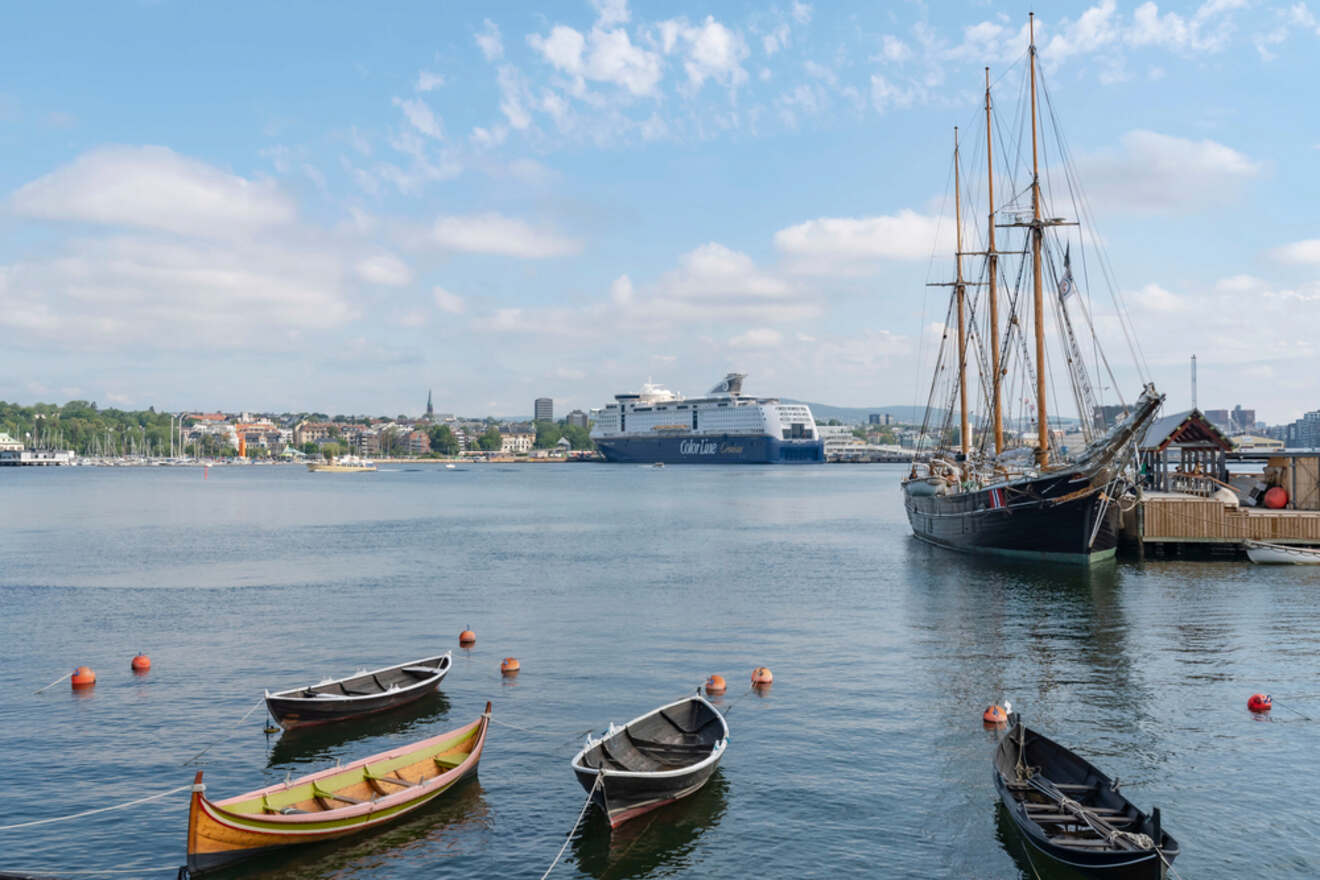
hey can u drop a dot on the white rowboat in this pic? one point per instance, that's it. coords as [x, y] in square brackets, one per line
[1265, 553]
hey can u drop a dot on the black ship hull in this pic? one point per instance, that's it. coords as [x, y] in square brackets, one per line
[1067, 518]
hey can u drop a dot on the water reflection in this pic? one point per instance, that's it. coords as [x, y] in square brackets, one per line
[418, 838]
[663, 838]
[1031, 865]
[310, 745]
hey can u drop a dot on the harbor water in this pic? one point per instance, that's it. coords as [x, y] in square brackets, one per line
[620, 587]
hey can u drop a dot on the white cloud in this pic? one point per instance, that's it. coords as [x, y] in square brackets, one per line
[489, 41]
[621, 290]
[514, 97]
[895, 50]
[1207, 30]
[757, 337]
[428, 81]
[154, 188]
[611, 12]
[801, 12]
[885, 95]
[775, 40]
[713, 51]
[605, 54]
[1307, 251]
[835, 245]
[493, 233]
[448, 302]
[420, 117]
[1159, 173]
[384, 269]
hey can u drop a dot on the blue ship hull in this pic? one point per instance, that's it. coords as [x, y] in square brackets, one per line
[712, 449]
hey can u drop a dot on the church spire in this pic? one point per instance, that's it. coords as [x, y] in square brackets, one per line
[430, 410]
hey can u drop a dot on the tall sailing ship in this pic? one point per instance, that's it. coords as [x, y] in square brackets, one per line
[985, 491]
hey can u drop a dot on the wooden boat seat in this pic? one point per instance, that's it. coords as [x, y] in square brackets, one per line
[321, 794]
[448, 763]
[356, 693]
[1099, 811]
[421, 670]
[1061, 786]
[1072, 819]
[397, 780]
[1078, 842]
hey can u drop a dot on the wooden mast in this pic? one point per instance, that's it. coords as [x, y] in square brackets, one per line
[960, 292]
[992, 271]
[1037, 231]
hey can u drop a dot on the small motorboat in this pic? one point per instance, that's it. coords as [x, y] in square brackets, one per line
[1266, 553]
[331, 803]
[653, 760]
[356, 695]
[1071, 813]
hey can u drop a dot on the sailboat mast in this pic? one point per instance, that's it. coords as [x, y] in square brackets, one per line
[960, 292]
[1037, 233]
[993, 269]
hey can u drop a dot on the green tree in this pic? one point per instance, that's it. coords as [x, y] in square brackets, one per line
[547, 435]
[491, 440]
[579, 437]
[331, 450]
[309, 448]
[443, 440]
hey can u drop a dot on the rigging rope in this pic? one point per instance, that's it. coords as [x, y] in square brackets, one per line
[154, 797]
[585, 804]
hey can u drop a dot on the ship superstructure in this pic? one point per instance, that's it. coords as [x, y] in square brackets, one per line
[724, 427]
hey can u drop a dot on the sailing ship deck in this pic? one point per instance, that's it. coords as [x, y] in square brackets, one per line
[1177, 518]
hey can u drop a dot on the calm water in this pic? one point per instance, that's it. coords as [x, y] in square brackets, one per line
[619, 587]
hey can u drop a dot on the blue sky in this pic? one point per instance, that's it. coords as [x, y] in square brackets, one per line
[337, 206]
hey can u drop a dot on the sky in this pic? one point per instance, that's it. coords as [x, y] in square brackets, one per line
[334, 207]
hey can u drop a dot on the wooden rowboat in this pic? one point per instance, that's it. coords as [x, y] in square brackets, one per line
[1070, 813]
[653, 760]
[332, 803]
[1266, 553]
[357, 695]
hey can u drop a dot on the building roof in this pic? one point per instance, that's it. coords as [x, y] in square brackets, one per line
[1188, 428]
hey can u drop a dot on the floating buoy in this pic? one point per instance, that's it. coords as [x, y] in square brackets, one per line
[467, 637]
[762, 676]
[510, 666]
[995, 714]
[83, 677]
[715, 685]
[1276, 498]
[1259, 702]
[141, 663]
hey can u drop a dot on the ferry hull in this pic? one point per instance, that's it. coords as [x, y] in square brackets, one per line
[711, 449]
[1048, 520]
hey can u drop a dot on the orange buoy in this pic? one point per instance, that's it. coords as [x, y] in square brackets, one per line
[995, 714]
[141, 663]
[1276, 498]
[83, 677]
[467, 637]
[716, 685]
[762, 676]
[1259, 702]
[510, 666]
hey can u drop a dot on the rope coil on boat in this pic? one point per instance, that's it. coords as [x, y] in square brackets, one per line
[154, 797]
[585, 805]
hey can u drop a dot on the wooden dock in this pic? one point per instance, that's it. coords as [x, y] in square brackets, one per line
[1170, 518]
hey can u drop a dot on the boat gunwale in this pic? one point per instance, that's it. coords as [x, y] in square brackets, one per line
[717, 750]
[295, 694]
[399, 798]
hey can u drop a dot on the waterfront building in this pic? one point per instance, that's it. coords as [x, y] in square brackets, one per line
[419, 443]
[544, 410]
[577, 419]
[1243, 419]
[516, 444]
[9, 444]
[313, 432]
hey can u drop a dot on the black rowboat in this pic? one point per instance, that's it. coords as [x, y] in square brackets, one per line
[653, 760]
[364, 693]
[1072, 814]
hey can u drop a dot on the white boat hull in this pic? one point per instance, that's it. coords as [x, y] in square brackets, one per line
[1282, 554]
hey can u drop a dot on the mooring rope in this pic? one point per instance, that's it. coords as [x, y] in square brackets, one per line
[154, 797]
[542, 731]
[258, 705]
[53, 683]
[99, 872]
[585, 804]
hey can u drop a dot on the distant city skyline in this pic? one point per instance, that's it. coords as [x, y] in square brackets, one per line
[505, 202]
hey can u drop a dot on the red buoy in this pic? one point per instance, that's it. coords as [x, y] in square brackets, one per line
[716, 685]
[467, 637]
[762, 676]
[995, 714]
[1276, 498]
[510, 666]
[83, 677]
[1259, 702]
[141, 663]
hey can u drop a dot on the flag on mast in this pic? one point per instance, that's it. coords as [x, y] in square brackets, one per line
[1066, 285]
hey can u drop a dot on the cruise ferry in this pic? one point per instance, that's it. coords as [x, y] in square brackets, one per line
[725, 427]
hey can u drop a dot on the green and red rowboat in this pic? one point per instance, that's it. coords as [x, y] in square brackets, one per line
[331, 803]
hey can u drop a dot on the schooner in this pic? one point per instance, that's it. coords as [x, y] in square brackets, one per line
[1022, 494]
